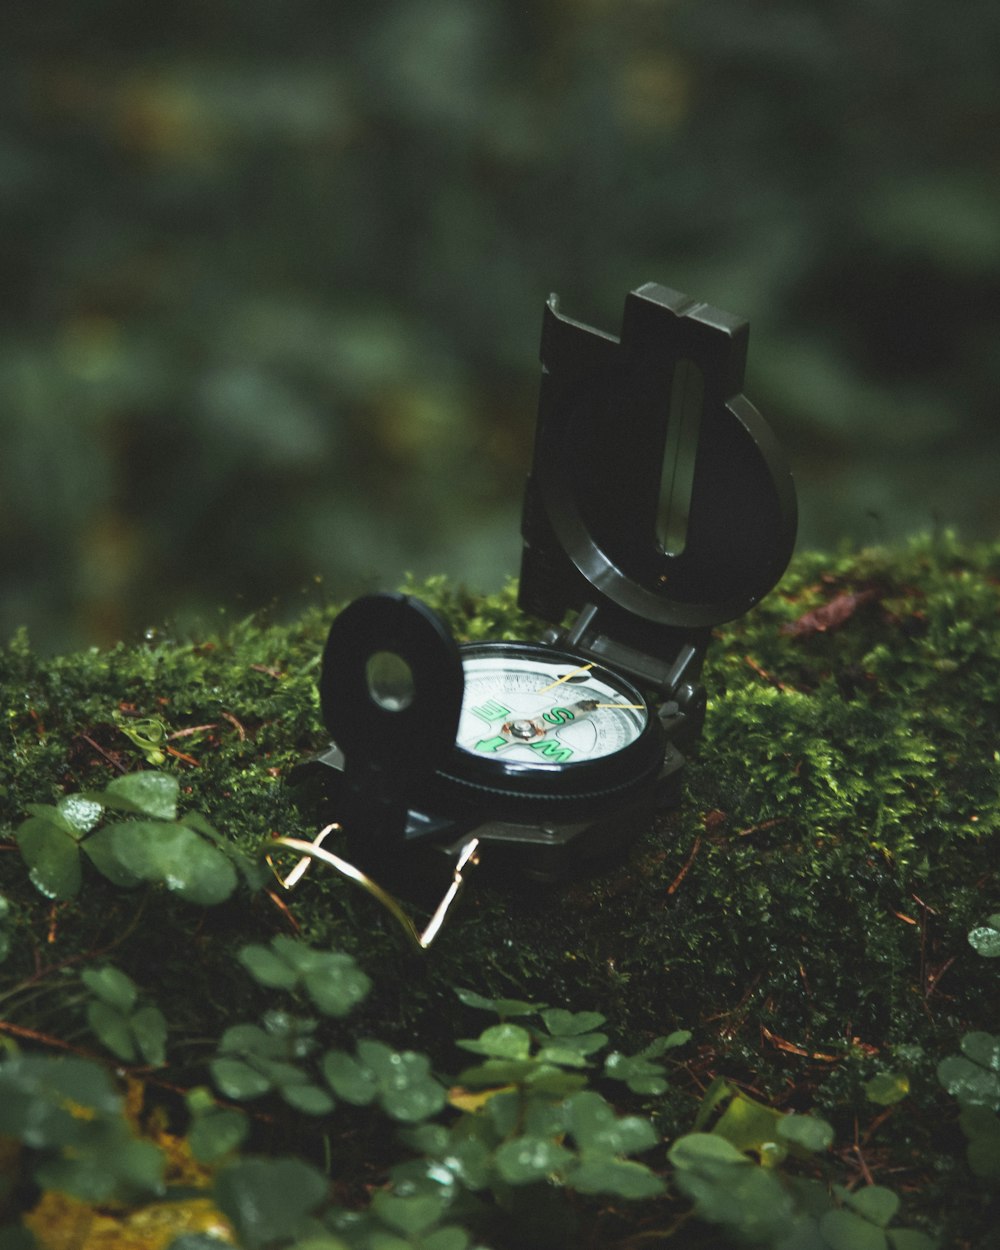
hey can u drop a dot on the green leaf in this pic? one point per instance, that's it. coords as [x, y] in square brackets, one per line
[145, 793]
[51, 814]
[112, 1028]
[807, 1131]
[565, 1056]
[309, 1099]
[562, 1023]
[504, 1109]
[750, 1125]
[471, 1160]
[237, 1079]
[333, 980]
[406, 1089]
[971, 1084]
[174, 856]
[281, 1074]
[217, 1134]
[875, 1203]
[111, 986]
[149, 1029]
[679, 1037]
[411, 1216]
[267, 1199]
[501, 1041]
[249, 1039]
[698, 1149]
[985, 938]
[623, 1177]
[336, 985]
[349, 1079]
[982, 1048]
[40, 1099]
[450, 1237]
[296, 954]
[576, 1044]
[727, 1188]
[843, 1230]
[982, 1129]
[201, 824]
[718, 1091]
[4, 945]
[501, 1006]
[910, 1239]
[52, 856]
[80, 813]
[501, 1072]
[525, 1160]
[887, 1088]
[541, 1117]
[543, 1079]
[640, 1074]
[115, 1166]
[597, 1130]
[268, 968]
[255, 874]
[99, 848]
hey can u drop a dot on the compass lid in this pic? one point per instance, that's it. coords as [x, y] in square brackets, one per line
[657, 493]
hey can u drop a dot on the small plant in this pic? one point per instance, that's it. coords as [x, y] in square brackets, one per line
[738, 1177]
[529, 1116]
[973, 1077]
[131, 1032]
[153, 844]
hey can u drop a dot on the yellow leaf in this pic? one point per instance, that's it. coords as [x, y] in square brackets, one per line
[63, 1223]
[472, 1100]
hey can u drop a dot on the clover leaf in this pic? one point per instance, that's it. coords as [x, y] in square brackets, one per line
[253, 1061]
[143, 793]
[332, 979]
[128, 1032]
[974, 1076]
[268, 1199]
[985, 938]
[400, 1081]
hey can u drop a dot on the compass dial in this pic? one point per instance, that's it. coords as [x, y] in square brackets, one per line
[544, 711]
[543, 730]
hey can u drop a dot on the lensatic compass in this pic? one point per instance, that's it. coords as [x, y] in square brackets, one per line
[658, 506]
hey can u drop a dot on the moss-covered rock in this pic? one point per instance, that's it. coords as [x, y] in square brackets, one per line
[804, 913]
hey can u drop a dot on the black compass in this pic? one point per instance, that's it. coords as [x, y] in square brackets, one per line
[658, 506]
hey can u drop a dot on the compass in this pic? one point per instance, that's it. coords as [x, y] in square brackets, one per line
[658, 506]
[541, 733]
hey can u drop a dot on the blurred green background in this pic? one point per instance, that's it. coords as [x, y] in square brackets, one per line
[273, 273]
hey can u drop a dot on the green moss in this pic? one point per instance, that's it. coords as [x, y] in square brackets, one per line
[804, 912]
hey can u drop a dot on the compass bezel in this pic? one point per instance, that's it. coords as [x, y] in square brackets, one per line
[467, 783]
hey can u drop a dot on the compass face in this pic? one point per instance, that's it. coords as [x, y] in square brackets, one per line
[545, 734]
[533, 710]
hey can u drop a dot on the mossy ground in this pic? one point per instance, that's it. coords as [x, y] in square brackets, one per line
[804, 912]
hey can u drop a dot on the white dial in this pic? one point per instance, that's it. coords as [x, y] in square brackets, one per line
[532, 710]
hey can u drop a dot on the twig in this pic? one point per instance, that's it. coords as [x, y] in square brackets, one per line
[115, 763]
[675, 884]
[236, 725]
[862, 1162]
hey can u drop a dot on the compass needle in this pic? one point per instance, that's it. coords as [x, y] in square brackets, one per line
[583, 668]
